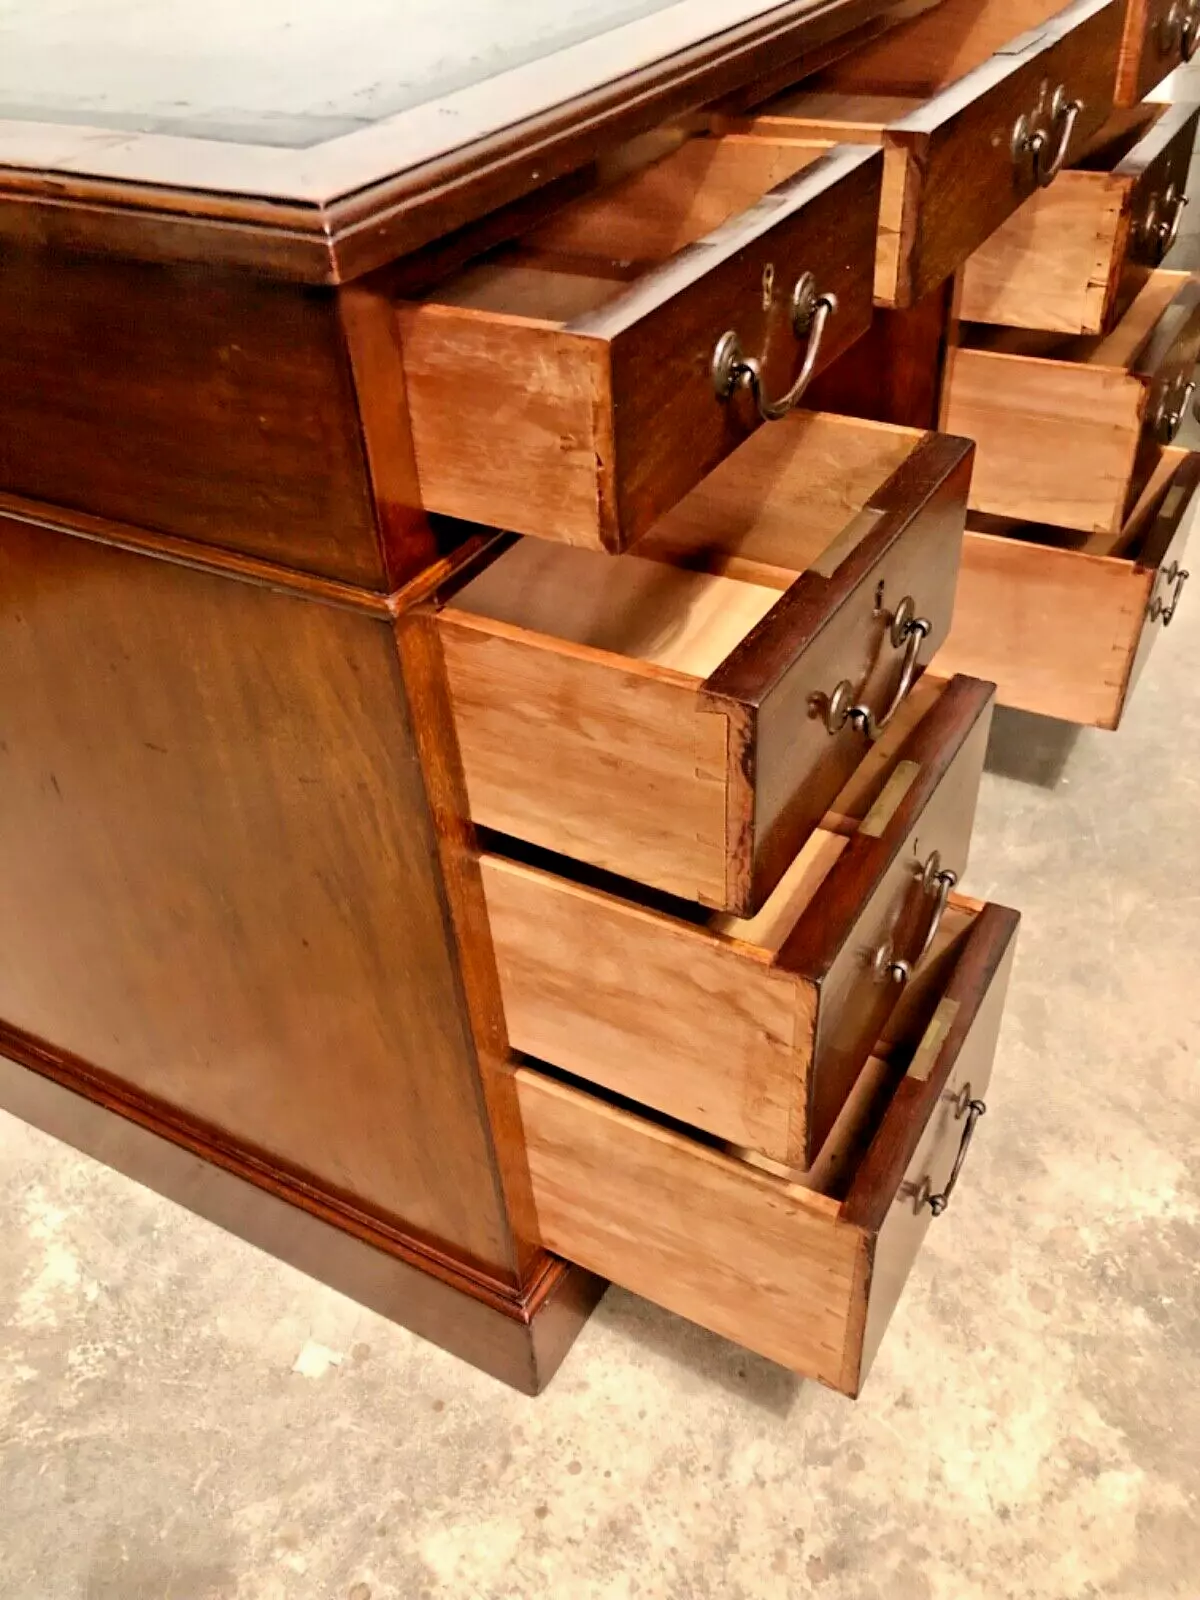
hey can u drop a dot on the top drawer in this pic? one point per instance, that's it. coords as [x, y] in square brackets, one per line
[567, 386]
[972, 121]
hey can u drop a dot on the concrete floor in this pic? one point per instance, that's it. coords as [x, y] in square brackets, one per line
[182, 1418]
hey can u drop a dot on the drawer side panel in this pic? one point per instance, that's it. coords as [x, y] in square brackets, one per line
[713, 1240]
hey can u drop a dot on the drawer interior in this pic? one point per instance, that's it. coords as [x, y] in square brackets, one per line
[1122, 349]
[595, 248]
[795, 497]
[1119, 137]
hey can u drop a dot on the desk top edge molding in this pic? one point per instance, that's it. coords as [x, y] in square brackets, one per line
[337, 210]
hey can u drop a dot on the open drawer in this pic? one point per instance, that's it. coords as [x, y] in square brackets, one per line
[804, 1268]
[1074, 256]
[683, 715]
[1160, 35]
[1069, 430]
[1063, 625]
[751, 1029]
[971, 120]
[578, 383]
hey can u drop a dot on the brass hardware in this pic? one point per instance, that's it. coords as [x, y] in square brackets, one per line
[937, 881]
[907, 632]
[932, 1039]
[887, 802]
[975, 1110]
[1160, 226]
[1180, 30]
[731, 367]
[1029, 140]
[1175, 577]
[1174, 401]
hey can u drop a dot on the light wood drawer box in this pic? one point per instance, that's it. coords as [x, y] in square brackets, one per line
[807, 1269]
[663, 714]
[1159, 36]
[564, 386]
[942, 95]
[1074, 255]
[1065, 628]
[1069, 430]
[751, 1029]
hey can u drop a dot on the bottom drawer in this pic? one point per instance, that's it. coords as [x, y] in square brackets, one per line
[803, 1267]
[1063, 623]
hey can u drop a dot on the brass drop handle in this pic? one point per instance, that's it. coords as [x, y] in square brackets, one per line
[1179, 30]
[1160, 227]
[1175, 576]
[975, 1110]
[1168, 419]
[907, 632]
[1029, 141]
[936, 881]
[733, 368]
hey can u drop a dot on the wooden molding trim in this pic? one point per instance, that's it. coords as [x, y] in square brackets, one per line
[250, 569]
[83, 1079]
[341, 209]
[519, 1337]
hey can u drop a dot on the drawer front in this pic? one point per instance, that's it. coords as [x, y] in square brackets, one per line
[775, 688]
[753, 1031]
[1157, 171]
[1159, 34]
[1166, 365]
[869, 923]
[795, 1275]
[1073, 257]
[1161, 563]
[586, 431]
[965, 178]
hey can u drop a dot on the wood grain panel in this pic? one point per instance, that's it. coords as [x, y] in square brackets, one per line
[651, 1006]
[1055, 442]
[761, 1262]
[195, 401]
[586, 755]
[212, 817]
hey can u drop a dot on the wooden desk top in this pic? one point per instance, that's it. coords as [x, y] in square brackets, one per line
[319, 139]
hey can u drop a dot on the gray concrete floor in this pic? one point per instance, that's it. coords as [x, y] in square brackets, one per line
[183, 1418]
